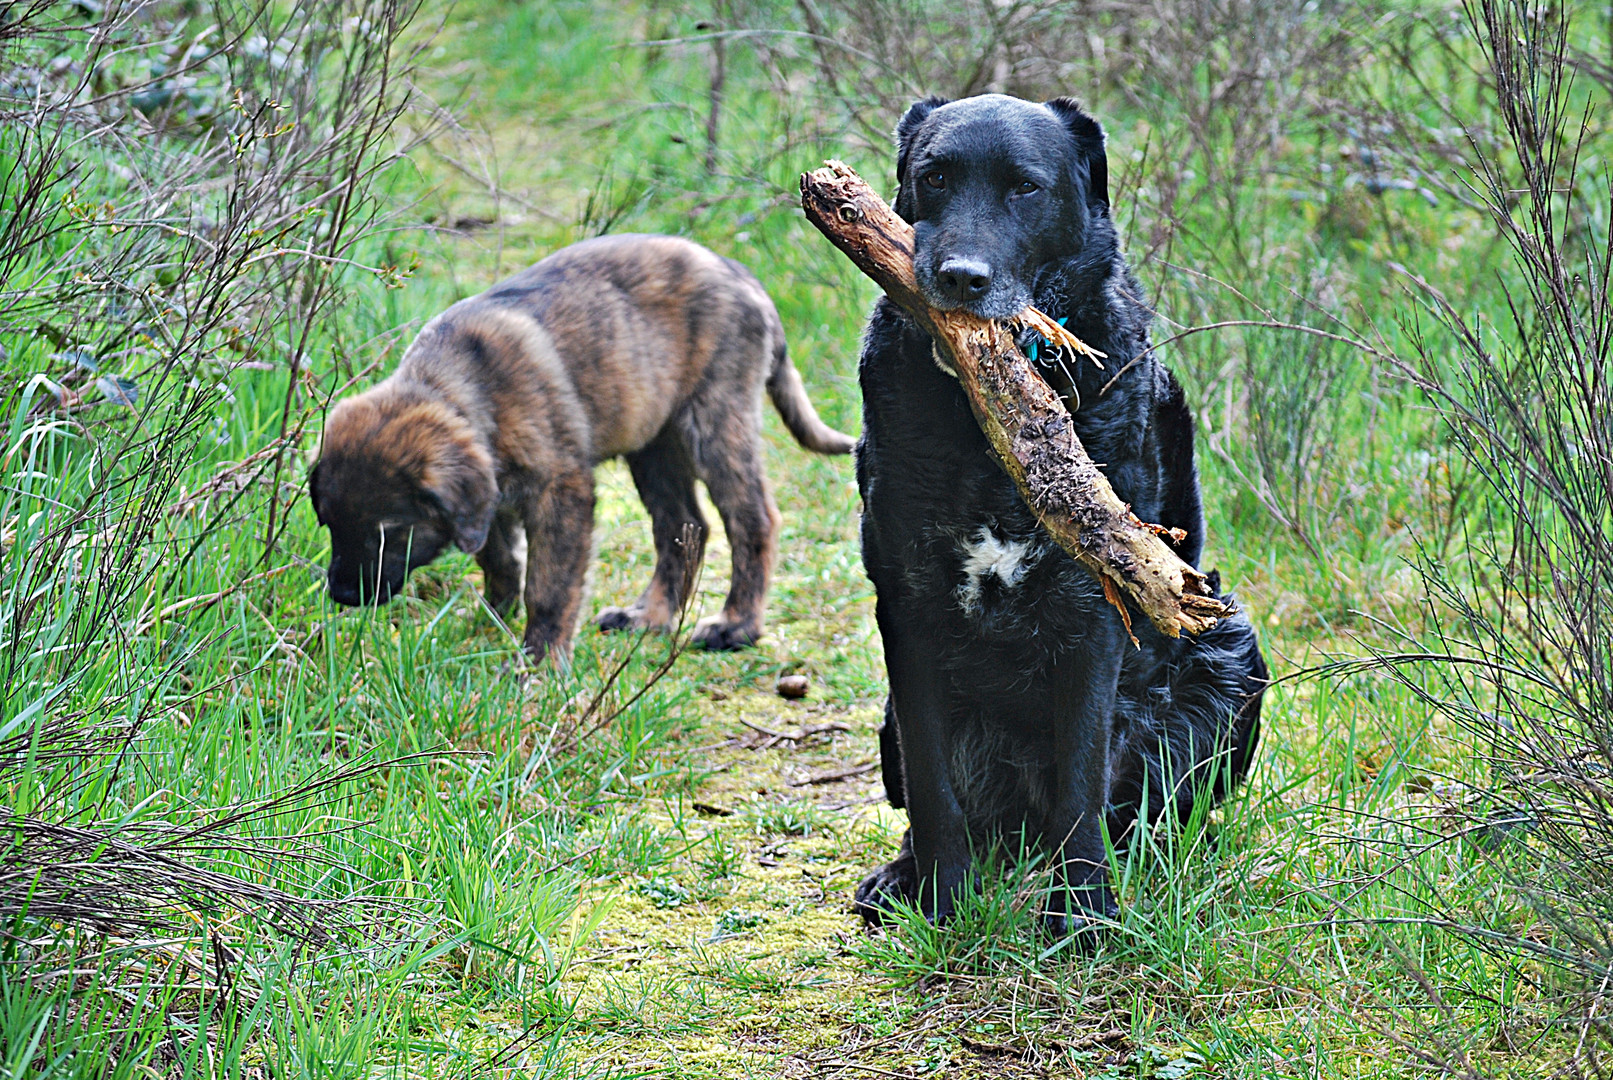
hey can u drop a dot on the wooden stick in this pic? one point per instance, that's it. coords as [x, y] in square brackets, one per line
[841, 774]
[1026, 422]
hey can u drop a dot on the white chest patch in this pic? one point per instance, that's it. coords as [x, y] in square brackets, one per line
[986, 556]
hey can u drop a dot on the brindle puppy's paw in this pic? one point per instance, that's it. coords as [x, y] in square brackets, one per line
[636, 617]
[897, 880]
[719, 634]
[503, 604]
[547, 644]
[612, 619]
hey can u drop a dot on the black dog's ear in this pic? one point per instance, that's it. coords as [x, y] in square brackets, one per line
[907, 127]
[467, 495]
[1088, 136]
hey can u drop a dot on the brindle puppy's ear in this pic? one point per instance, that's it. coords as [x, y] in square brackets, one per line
[906, 128]
[1088, 136]
[313, 484]
[467, 492]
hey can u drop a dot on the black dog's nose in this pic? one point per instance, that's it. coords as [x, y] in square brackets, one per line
[964, 279]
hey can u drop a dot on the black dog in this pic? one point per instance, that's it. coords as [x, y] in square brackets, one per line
[1017, 699]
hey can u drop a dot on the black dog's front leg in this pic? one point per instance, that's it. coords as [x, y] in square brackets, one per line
[938, 832]
[934, 860]
[1083, 718]
[890, 758]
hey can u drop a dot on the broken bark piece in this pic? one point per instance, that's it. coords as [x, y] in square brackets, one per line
[1025, 421]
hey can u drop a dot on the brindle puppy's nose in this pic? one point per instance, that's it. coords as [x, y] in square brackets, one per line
[964, 279]
[345, 593]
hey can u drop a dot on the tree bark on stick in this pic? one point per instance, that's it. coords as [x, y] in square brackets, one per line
[1025, 421]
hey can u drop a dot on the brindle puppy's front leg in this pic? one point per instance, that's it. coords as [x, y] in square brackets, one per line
[935, 859]
[1083, 717]
[559, 540]
[501, 573]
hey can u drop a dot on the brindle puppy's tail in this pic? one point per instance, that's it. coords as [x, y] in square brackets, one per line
[789, 396]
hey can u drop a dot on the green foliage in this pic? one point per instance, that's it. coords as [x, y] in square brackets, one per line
[790, 817]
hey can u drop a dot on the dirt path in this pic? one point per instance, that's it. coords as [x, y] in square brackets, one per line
[741, 955]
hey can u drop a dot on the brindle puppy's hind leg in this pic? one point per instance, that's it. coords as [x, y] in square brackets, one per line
[729, 458]
[664, 473]
[501, 572]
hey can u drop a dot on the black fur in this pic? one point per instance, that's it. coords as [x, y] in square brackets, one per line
[1022, 704]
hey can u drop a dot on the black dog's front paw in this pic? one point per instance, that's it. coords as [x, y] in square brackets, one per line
[898, 881]
[895, 882]
[1081, 914]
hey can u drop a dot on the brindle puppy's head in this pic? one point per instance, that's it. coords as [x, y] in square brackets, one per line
[996, 188]
[397, 481]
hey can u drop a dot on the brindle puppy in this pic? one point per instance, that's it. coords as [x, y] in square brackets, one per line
[646, 347]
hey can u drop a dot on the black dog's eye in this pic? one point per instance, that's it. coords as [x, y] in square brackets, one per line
[935, 180]
[1026, 187]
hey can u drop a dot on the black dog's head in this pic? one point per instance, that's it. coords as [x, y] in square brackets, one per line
[995, 188]
[396, 483]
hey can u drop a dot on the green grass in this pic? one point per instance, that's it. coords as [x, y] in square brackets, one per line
[656, 897]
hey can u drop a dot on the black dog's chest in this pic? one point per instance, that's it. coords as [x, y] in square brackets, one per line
[944, 523]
